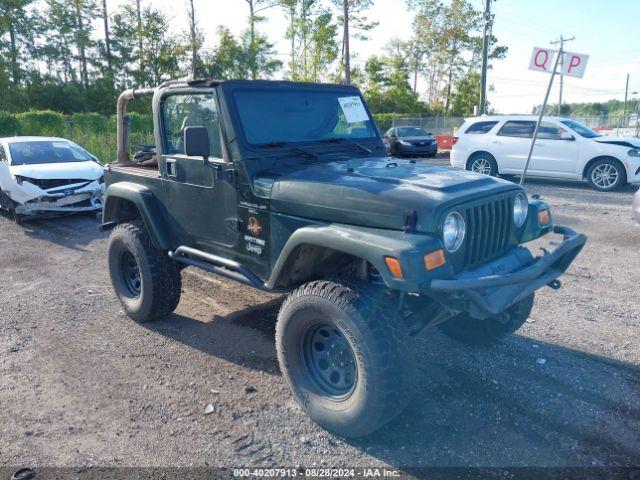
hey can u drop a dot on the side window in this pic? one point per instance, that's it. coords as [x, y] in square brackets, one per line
[190, 110]
[480, 127]
[550, 131]
[518, 128]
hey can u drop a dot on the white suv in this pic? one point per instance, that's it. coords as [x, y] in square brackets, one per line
[565, 149]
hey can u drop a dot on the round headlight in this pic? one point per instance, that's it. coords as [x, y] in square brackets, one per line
[453, 230]
[520, 209]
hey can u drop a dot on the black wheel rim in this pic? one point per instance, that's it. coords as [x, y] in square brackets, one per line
[130, 272]
[330, 361]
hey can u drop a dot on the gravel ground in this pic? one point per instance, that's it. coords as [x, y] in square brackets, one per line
[82, 385]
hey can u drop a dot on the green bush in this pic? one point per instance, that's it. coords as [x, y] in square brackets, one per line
[141, 122]
[9, 125]
[94, 132]
[90, 123]
[103, 145]
[43, 122]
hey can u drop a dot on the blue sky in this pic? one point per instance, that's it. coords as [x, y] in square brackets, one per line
[607, 31]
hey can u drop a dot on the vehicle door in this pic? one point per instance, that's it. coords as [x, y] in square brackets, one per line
[201, 196]
[510, 145]
[555, 153]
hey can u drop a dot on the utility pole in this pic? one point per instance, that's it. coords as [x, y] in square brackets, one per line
[624, 108]
[488, 22]
[561, 59]
[193, 38]
[345, 42]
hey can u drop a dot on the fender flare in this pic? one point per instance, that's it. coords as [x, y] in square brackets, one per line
[369, 244]
[147, 206]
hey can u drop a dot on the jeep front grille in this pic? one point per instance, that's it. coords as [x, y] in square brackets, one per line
[488, 230]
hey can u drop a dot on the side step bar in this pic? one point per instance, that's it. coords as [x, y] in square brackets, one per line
[218, 265]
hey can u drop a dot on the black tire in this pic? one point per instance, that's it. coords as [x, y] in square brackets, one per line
[597, 171]
[483, 163]
[383, 367]
[485, 332]
[17, 217]
[156, 291]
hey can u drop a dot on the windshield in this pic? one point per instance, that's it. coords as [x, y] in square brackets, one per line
[411, 132]
[581, 129]
[283, 116]
[43, 151]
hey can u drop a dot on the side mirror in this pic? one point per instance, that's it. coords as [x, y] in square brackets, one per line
[196, 142]
[567, 136]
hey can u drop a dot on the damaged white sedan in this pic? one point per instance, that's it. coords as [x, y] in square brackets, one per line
[48, 175]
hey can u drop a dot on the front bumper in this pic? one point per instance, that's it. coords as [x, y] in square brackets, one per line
[494, 287]
[81, 202]
[417, 149]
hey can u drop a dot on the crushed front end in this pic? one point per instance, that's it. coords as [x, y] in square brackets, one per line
[37, 196]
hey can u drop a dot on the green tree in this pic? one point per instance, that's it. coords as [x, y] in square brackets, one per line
[259, 49]
[467, 94]
[354, 22]
[228, 60]
[312, 35]
[161, 54]
[196, 39]
[17, 26]
[386, 85]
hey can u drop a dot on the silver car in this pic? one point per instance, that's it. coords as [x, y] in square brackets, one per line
[636, 205]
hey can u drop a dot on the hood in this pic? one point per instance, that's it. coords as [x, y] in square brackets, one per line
[377, 192]
[629, 142]
[88, 170]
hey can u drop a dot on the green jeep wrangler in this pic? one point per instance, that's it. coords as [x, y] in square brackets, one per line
[286, 187]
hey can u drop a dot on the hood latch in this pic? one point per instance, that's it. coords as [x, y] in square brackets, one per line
[410, 221]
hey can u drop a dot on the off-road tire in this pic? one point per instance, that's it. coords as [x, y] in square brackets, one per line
[379, 343]
[620, 181]
[160, 280]
[485, 332]
[488, 160]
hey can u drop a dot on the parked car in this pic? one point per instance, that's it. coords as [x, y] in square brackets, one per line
[45, 175]
[636, 205]
[371, 252]
[565, 149]
[410, 141]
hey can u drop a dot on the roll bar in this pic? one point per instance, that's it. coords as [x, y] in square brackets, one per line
[123, 121]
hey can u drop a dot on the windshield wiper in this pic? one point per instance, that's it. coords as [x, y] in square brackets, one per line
[272, 144]
[283, 143]
[343, 139]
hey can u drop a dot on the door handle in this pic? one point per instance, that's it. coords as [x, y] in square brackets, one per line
[497, 142]
[171, 168]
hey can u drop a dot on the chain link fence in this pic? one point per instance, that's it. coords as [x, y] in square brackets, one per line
[627, 125]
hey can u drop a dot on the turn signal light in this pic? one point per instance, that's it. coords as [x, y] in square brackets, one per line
[434, 260]
[393, 264]
[543, 217]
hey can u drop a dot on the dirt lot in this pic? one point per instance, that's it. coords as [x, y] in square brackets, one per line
[81, 384]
